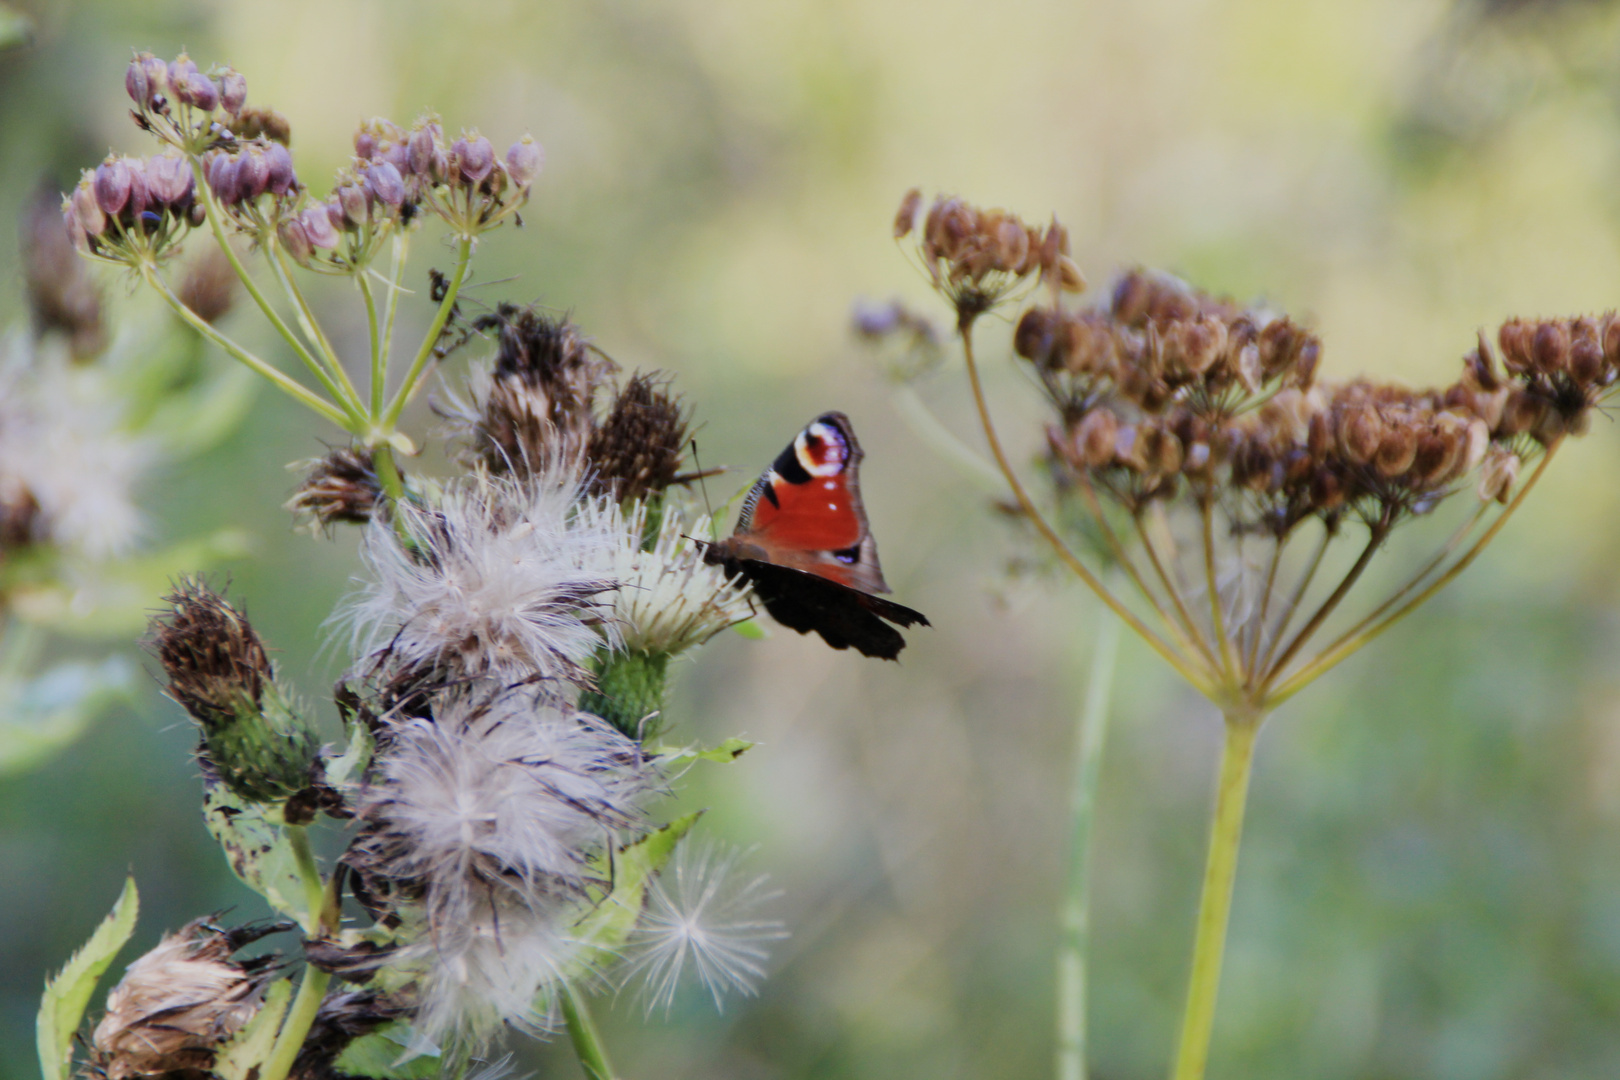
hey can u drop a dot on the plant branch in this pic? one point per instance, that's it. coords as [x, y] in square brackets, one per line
[586, 1039]
[431, 340]
[276, 257]
[295, 1028]
[1182, 613]
[1375, 537]
[1069, 559]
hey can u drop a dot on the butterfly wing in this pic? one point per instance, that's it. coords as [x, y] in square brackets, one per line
[844, 617]
[806, 510]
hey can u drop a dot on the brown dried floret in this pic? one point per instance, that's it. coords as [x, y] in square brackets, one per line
[342, 486]
[213, 658]
[179, 1003]
[636, 451]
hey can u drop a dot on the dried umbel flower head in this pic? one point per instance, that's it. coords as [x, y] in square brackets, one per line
[217, 670]
[976, 257]
[636, 450]
[342, 486]
[499, 580]
[179, 1003]
[479, 823]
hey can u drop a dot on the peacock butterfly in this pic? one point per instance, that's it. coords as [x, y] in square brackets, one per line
[803, 543]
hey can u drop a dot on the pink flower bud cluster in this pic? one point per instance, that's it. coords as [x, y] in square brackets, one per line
[255, 168]
[168, 96]
[418, 167]
[128, 195]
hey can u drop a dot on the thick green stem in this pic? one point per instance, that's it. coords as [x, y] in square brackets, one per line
[431, 339]
[1215, 902]
[295, 1028]
[374, 333]
[1074, 947]
[310, 874]
[587, 1040]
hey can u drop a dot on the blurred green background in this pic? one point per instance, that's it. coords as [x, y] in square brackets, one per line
[1430, 885]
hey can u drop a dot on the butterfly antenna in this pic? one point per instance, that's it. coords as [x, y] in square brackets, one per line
[714, 526]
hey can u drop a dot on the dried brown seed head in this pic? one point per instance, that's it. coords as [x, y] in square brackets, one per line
[340, 487]
[1497, 474]
[637, 449]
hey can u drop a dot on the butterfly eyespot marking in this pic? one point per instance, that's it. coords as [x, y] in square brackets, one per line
[821, 450]
[848, 556]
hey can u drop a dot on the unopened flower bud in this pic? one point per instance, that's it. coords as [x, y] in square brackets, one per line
[423, 145]
[1497, 474]
[365, 144]
[352, 200]
[219, 672]
[905, 219]
[279, 176]
[318, 227]
[112, 185]
[524, 160]
[385, 183]
[295, 239]
[140, 193]
[220, 170]
[252, 174]
[136, 84]
[232, 91]
[198, 91]
[169, 179]
[86, 209]
[476, 157]
[180, 67]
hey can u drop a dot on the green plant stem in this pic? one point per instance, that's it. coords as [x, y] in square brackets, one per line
[211, 209]
[277, 258]
[1215, 901]
[1042, 526]
[587, 1040]
[379, 385]
[295, 1028]
[1074, 946]
[382, 459]
[310, 874]
[431, 339]
[374, 334]
[287, 385]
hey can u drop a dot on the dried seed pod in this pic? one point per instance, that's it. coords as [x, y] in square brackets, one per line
[1497, 474]
[340, 487]
[636, 451]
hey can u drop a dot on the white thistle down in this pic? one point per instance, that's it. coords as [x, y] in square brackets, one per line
[490, 814]
[500, 580]
[668, 599]
[702, 913]
[62, 440]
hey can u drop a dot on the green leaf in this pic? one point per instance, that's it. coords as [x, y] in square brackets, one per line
[67, 995]
[240, 1058]
[752, 629]
[356, 756]
[730, 750]
[610, 922]
[114, 599]
[257, 848]
[383, 1055]
[43, 715]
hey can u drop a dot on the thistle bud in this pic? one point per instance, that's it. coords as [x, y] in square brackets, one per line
[232, 91]
[112, 185]
[476, 157]
[318, 227]
[218, 672]
[252, 174]
[198, 91]
[524, 160]
[385, 184]
[280, 177]
[136, 83]
[352, 198]
[905, 219]
[169, 179]
[295, 239]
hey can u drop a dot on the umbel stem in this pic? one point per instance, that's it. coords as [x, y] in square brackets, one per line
[1215, 901]
[1074, 948]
